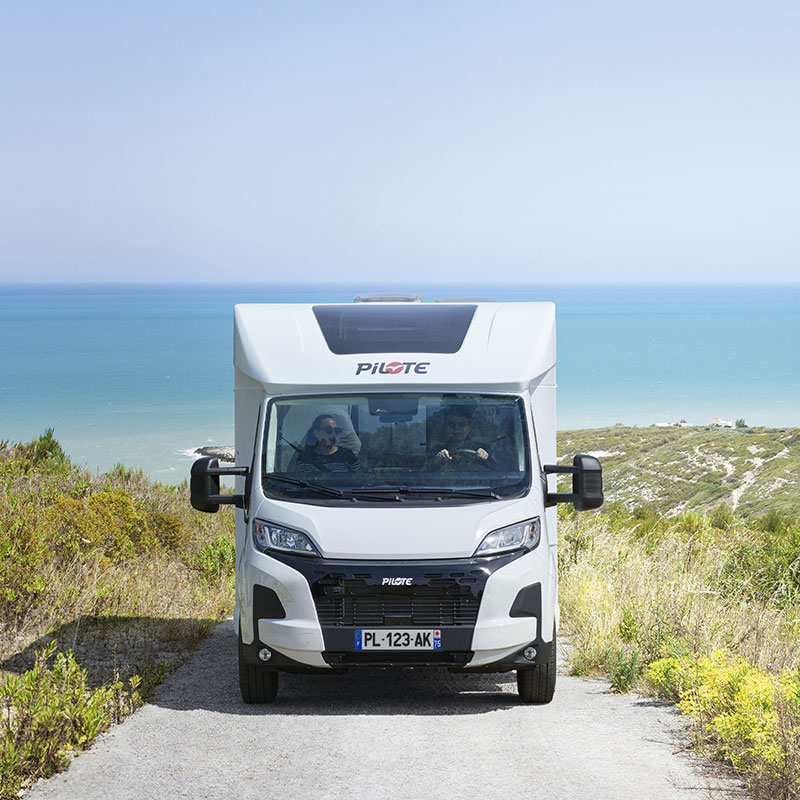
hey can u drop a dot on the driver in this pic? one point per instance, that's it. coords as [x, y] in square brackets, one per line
[459, 445]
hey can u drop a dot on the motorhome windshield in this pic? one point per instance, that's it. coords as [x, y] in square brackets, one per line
[396, 447]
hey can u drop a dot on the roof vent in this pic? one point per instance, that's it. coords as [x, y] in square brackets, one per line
[465, 300]
[387, 297]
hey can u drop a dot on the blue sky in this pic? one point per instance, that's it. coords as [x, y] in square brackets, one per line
[465, 141]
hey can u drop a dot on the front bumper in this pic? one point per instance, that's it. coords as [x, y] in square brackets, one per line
[488, 610]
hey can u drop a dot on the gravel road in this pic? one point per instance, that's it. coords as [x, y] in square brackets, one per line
[386, 734]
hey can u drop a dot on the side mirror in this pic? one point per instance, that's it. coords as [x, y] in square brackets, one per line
[587, 484]
[204, 485]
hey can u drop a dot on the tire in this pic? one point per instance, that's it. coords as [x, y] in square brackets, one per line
[538, 684]
[257, 684]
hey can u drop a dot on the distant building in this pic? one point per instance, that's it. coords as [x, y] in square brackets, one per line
[716, 422]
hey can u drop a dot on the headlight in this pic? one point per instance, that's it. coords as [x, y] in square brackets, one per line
[268, 536]
[522, 536]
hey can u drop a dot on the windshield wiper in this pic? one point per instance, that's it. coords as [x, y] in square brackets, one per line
[315, 487]
[447, 490]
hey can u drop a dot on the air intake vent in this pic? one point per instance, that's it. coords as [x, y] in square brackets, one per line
[435, 606]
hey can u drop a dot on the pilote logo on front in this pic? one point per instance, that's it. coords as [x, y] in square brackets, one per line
[392, 367]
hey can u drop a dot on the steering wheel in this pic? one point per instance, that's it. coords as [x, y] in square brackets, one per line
[467, 451]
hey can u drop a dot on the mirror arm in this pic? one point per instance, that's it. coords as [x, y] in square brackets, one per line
[553, 498]
[558, 497]
[227, 470]
[228, 499]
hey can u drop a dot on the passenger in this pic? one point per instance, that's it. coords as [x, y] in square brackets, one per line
[326, 455]
[459, 446]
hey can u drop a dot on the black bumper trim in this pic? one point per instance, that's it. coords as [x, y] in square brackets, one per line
[528, 602]
[454, 660]
[266, 604]
[517, 661]
[278, 661]
[397, 658]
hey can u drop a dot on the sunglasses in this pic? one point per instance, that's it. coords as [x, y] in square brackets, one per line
[330, 430]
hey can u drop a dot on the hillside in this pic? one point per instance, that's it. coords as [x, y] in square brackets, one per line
[751, 470]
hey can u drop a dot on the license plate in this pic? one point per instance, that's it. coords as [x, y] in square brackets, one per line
[383, 639]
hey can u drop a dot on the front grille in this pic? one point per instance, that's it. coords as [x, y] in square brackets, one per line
[351, 603]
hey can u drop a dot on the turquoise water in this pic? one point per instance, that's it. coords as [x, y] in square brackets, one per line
[140, 374]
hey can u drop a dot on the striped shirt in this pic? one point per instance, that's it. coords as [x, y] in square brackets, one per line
[341, 460]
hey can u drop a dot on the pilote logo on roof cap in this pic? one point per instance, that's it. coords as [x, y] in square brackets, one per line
[392, 367]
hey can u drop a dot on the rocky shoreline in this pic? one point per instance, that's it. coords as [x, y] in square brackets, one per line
[224, 452]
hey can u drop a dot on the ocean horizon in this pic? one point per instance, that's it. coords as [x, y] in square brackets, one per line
[141, 374]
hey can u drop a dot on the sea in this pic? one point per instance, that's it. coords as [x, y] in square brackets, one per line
[141, 375]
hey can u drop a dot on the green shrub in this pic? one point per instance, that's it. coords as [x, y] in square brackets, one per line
[43, 450]
[48, 712]
[624, 668]
[628, 628]
[169, 529]
[764, 566]
[216, 558]
[722, 517]
[751, 719]
[774, 522]
[668, 678]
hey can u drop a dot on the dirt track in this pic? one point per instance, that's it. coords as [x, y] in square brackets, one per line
[386, 734]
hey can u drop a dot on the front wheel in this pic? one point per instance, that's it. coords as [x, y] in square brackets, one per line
[257, 684]
[538, 684]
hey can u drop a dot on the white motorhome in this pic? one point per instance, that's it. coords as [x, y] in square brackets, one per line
[395, 496]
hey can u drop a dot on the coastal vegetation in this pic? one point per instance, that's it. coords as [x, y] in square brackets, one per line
[675, 469]
[107, 583]
[685, 586]
[694, 595]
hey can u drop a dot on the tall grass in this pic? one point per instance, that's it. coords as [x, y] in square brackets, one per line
[116, 568]
[704, 610]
